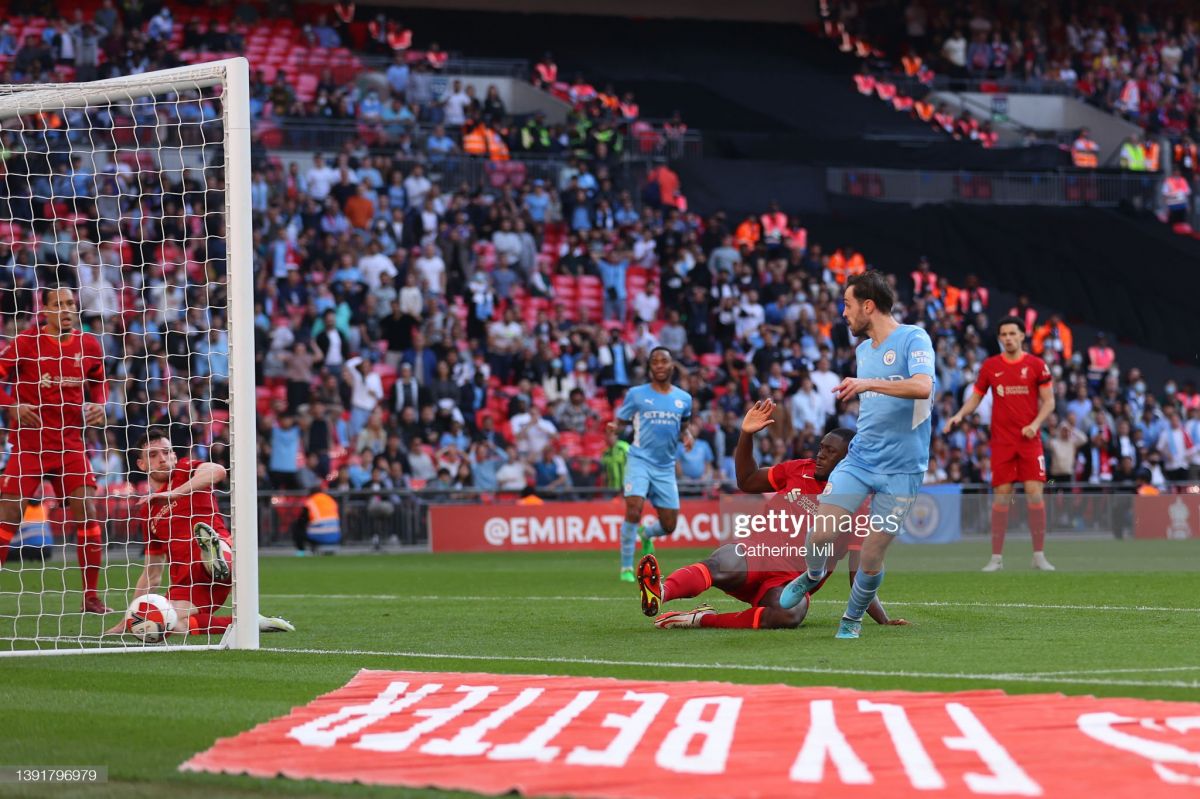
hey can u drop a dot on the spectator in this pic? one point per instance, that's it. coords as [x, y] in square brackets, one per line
[366, 392]
[695, 462]
[515, 473]
[575, 414]
[532, 433]
[285, 453]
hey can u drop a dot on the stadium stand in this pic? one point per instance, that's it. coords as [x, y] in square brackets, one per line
[409, 325]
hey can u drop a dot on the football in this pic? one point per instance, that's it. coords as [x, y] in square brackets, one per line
[150, 617]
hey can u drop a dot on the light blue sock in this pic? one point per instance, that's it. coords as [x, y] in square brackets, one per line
[815, 562]
[654, 530]
[628, 543]
[865, 587]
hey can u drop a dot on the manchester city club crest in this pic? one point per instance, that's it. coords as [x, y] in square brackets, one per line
[889, 357]
[678, 403]
[922, 520]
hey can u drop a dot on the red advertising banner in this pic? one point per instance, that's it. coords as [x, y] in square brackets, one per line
[560, 526]
[596, 737]
[1174, 516]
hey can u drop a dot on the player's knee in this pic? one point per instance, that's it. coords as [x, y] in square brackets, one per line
[725, 565]
[781, 619]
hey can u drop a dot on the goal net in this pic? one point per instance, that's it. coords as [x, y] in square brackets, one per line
[126, 308]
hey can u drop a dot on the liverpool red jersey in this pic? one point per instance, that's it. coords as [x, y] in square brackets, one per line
[170, 524]
[52, 374]
[1014, 386]
[797, 480]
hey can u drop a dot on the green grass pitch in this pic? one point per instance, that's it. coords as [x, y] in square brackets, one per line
[1115, 620]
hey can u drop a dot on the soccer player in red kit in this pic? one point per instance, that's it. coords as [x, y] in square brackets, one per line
[53, 367]
[185, 530]
[756, 583]
[1022, 398]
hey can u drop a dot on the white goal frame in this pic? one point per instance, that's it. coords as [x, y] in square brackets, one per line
[233, 75]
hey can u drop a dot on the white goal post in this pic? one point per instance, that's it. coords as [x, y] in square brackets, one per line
[167, 153]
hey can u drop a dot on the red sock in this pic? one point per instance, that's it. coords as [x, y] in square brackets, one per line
[90, 552]
[1037, 526]
[745, 620]
[687, 582]
[999, 528]
[204, 623]
[7, 533]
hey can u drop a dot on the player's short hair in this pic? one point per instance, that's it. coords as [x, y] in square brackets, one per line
[1010, 320]
[152, 434]
[48, 290]
[873, 285]
[664, 349]
[844, 433]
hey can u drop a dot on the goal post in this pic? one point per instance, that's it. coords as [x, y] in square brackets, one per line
[134, 192]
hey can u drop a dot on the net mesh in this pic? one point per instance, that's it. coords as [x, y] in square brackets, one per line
[117, 195]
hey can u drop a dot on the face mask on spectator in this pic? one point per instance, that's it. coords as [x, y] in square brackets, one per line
[1139, 387]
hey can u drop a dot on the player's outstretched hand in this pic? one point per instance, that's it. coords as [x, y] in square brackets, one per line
[117, 628]
[1029, 431]
[93, 414]
[611, 427]
[161, 496]
[759, 416]
[950, 424]
[849, 387]
[898, 622]
[28, 416]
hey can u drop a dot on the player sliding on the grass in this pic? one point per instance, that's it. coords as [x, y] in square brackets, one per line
[890, 451]
[659, 413]
[184, 529]
[797, 482]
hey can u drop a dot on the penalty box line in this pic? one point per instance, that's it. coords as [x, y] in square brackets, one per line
[749, 667]
[890, 602]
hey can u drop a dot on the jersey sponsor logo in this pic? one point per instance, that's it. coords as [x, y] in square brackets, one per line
[889, 357]
[1012, 391]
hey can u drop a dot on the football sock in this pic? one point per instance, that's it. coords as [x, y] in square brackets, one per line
[628, 543]
[1037, 526]
[861, 593]
[999, 528]
[90, 553]
[7, 533]
[746, 619]
[815, 562]
[204, 623]
[687, 582]
[654, 530]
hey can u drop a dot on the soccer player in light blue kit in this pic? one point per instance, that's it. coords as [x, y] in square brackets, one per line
[659, 413]
[889, 453]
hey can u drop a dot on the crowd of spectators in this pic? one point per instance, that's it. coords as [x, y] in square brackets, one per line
[410, 335]
[1120, 57]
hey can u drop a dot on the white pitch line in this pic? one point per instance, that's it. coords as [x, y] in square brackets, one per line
[1113, 671]
[890, 603]
[1033, 678]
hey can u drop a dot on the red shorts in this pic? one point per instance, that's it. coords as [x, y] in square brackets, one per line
[66, 471]
[199, 588]
[1017, 464]
[759, 583]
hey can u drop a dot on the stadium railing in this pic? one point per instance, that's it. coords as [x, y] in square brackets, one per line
[458, 64]
[920, 187]
[399, 518]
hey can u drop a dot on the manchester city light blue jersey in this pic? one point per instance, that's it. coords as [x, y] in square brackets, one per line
[893, 434]
[657, 419]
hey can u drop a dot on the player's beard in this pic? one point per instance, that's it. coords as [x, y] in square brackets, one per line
[861, 330]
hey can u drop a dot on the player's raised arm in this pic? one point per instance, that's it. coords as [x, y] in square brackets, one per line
[204, 478]
[751, 478]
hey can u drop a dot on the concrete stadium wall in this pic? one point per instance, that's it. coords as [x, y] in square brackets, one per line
[1053, 112]
[792, 11]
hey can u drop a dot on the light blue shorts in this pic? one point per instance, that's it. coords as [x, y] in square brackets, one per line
[655, 483]
[892, 495]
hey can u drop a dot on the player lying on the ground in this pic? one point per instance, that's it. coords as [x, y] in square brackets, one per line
[185, 530]
[58, 388]
[757, 583]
